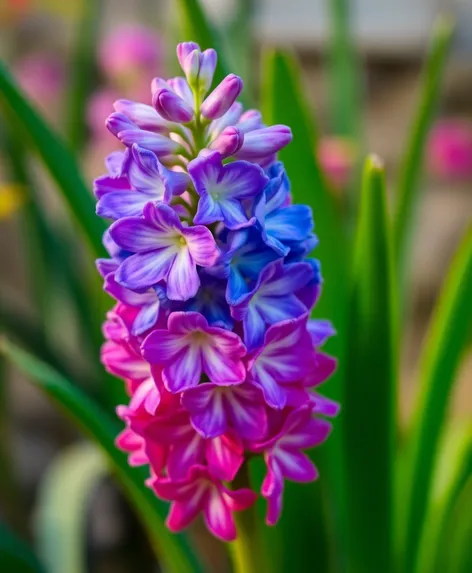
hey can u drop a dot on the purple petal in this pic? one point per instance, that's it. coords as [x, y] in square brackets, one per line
[320, 331]
[146, 318]
[120, 204]
[183, 280]
[144, 270]
[206, 407]
[159, 144]
[296, 466]
[144, 116]
[201, 245]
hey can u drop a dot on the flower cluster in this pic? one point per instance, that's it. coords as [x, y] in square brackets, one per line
[211, 330]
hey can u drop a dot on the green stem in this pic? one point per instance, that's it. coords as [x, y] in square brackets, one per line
[245, 549]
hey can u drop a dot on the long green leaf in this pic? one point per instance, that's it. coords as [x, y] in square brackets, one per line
[83, 67]
[446, 341]
[173, 550]
[456, 555]
[283, 102]
[412, 162]
[62, 507]
[370, 400]
[15, 555]
[55, 155]
[453, 469]
[344, 72]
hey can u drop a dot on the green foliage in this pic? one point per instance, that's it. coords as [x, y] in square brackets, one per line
[370, 394]
[382, 505]
[173, 550]
[412, 162]
[15, 555]
[55, 156]
[446, 341]
[63, 503]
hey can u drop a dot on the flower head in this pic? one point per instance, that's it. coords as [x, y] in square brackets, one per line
[208, 265]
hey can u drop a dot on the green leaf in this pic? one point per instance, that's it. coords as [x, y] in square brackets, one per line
[83, 67]
[412, 162]
[15, 555]
[453, 469]
[283, 102]
[456, 556]
[173, 551]
[62, 507]
[344, 72]
[56, 157]
[445, 343]
[369, 408]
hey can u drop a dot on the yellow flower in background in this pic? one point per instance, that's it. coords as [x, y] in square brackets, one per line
[12, 197]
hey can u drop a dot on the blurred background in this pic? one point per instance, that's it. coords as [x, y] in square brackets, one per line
[136, 39]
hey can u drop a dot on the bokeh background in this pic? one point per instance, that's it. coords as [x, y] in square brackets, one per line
[391, 38]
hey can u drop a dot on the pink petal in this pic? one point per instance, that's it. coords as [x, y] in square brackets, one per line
[246, 411]
[218, 517]
[224, 456]
[183, 455]
[240, 499]
[182, 513]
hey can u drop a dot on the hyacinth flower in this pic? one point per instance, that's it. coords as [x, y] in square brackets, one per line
[211, 331]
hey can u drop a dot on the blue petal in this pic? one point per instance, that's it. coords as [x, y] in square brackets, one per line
[254, 328]
[236, 287]
[292, 223]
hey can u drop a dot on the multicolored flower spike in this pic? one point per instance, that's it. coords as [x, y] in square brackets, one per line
[211, 330]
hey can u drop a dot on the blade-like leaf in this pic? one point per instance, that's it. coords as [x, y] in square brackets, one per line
[456, 554]
[344, 72]
[173, 550]
[412, 161]
[83, 69]
[283, 102]
[369, 408]
[56, 157]
[444, 345]
[62, 505]
[453, 469]
[15, 555]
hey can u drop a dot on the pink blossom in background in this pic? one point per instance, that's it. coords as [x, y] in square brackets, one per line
[450, 149]
[131, 50]
[42, 77]
[337, 156]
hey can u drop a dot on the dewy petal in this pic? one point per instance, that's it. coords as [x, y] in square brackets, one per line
[144, 270]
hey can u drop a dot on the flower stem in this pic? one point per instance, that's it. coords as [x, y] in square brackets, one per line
[244, 551]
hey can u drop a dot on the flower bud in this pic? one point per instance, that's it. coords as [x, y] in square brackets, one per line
[184, 49]
[117, 122]
[172, 107]
[265, 141]
[159, 144]
[222, 97]
[207, 70]
[228, 142]
[144, 116]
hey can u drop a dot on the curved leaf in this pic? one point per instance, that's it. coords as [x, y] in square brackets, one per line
[453, 469]
[56, 157]
[446, 341]
[15, 555]
[62, 505]
[414, 149]
[370, 397]
[173, 550]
